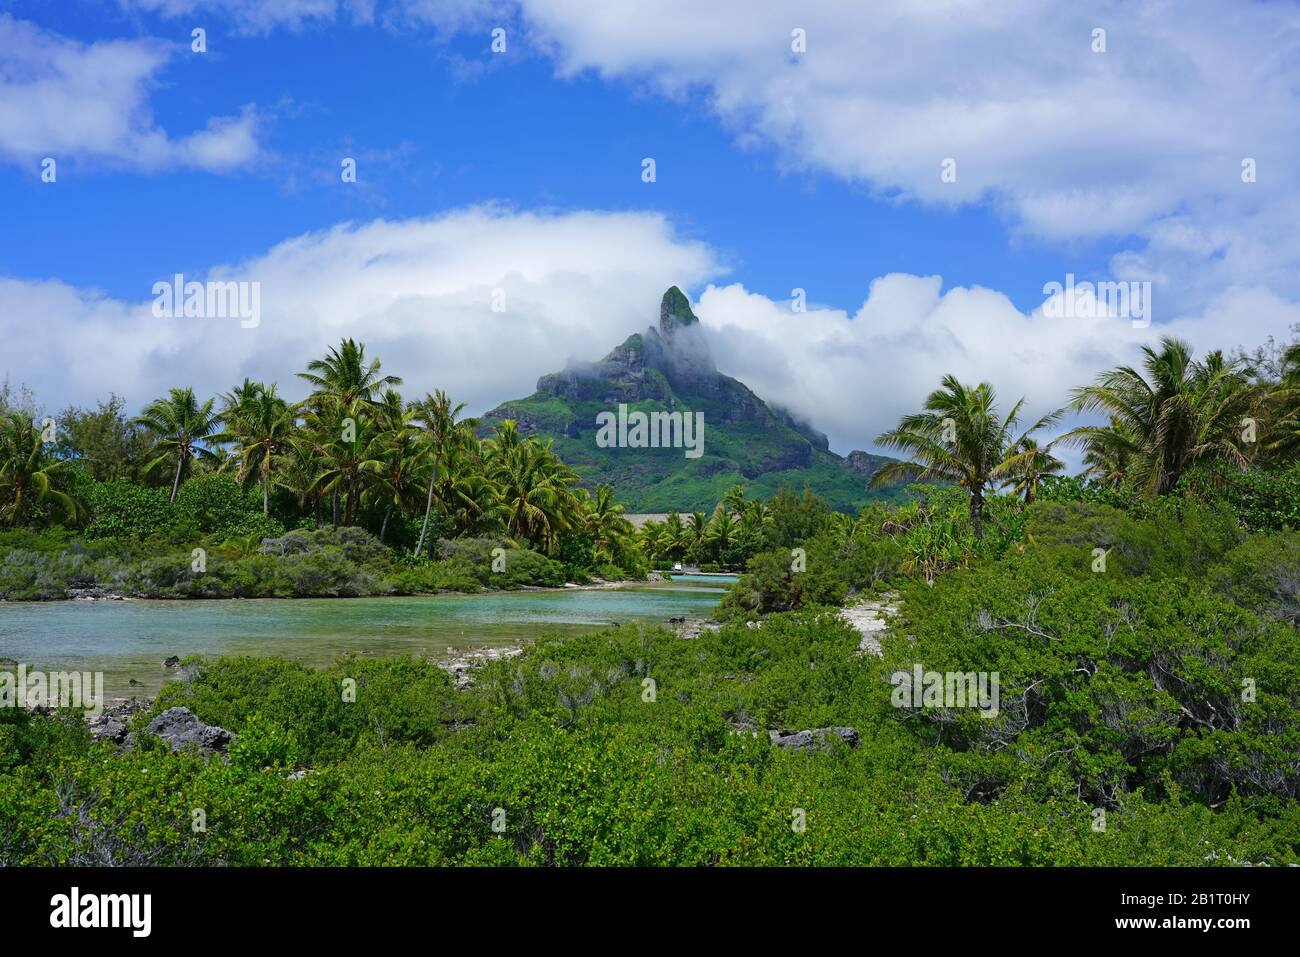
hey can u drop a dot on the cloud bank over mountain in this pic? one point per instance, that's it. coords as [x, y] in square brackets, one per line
[420, 294]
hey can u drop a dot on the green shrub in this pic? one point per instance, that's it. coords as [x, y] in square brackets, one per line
[1263, 573]
[1166, 543]
[123, 509]
[1260, 499]
[212, 504]
[518, 566]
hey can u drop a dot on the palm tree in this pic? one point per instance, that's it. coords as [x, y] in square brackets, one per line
[535, 489]
[343, 379]
[696, 523]
[672, 537]
[465, 495]
[959, 438]
[1180, 414]
[263, 425]
[29, 474]
[400, 456]
[436, 416]
[720, 533]
[1284, 433]
[1030, 465]
[345, 376]
[734, 500]
[1109, 454]
[610, 531]
[180, 426]
[243, 393]
[648, 537]
[749, 529]
[298, 474]
[350, 456]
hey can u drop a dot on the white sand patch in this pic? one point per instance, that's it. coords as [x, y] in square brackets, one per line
[869, 618]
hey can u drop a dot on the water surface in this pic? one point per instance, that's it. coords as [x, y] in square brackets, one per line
[128, 640]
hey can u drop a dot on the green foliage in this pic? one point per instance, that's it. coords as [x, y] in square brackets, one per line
[1170, 542]
[564, 750]
[790, 519]
[1261, 500]
[772, 584]
[1263, 574]
[1161, 683]
[288, 715]
[517, 566]
[214, 505]
[303, 563]
[123, 509]
[103, 441]
[210, 505]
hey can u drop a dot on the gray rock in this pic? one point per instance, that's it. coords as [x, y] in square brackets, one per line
[816, 739]
[462, 667]
[108, 729]
[111, 725]
[180, 727]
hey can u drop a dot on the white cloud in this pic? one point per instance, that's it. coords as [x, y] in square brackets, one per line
[854, 375]
[1142, 143]
[66, 99]
[418, 292]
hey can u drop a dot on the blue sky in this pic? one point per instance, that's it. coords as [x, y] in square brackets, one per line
[451, 124]
[521, 171]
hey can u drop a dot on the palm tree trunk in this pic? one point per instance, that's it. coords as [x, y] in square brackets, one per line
[266, 494]
[428, 507]
[176, 481]
[336, 506]
[350, 512]
[384, 527]
[977, 511]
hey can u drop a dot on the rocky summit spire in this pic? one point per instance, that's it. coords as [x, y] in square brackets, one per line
[675, 313]
[667, 369]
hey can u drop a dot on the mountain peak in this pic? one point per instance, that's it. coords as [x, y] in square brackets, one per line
[675, 313]
[668, 368]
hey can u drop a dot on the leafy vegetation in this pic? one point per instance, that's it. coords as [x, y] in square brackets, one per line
[224, 476]
[1121, 693]
[1141, 622]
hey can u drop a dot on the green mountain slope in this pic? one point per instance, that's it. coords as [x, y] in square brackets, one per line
[668, 369]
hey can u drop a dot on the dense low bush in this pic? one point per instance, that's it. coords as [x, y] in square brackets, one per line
[632, 746]
[497, 565]
[303, 563]
[1260, 499]
[1263, 573]
[1147, 668]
